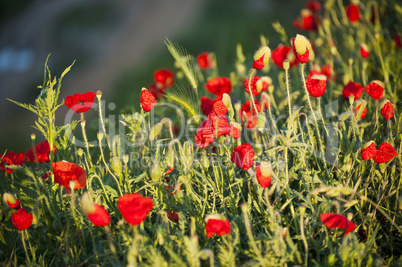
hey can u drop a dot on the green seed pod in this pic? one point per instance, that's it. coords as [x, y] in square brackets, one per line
[116, 166]
[155, 131]
[80, 152]
[285, 64]
[204, 159]
[99, 135]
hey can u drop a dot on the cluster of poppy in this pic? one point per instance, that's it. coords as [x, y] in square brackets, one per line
[20, 219]
[384, 153]
[163, 79]
[42, 151]
[308, 19]
[205, 61]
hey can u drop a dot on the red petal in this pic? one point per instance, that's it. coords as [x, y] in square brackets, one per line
[385, 153]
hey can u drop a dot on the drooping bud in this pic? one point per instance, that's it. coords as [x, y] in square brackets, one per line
[302, 49]
[204, 159]
[258, 86]
[87, 205]
[364, 50]
[116, 166]
[261, 121]
[155, 131]
[170, 157]
[156, 173]
[125, 158]
[11, 201]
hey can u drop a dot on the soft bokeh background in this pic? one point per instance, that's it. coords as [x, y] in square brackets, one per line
[117, 45]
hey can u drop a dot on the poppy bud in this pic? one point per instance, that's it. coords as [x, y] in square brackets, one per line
[302, 49]
[263, 173]
[368, 151]
[170, 157]
[98, 94]
[147, 100]
[353, 12]
[261, 121]
[83, 123]
[125, 158]
[286, 64]
[387, 110]
[360, 105]
[261, 57]
[21, 219]
[364, 50]
[204, 159]
[156, 173]
[258, 86]
[71, 184]
[284, 232]
[116, 166]
[155, 131]
[235, 130]
[375, 89]
[80, 152]
[99, 135]
[33, 137]
[11, 201]
[226, 100]
[86, 204]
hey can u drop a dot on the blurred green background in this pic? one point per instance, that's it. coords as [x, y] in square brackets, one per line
[118, 45]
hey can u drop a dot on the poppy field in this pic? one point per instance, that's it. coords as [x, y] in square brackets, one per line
[292, 158]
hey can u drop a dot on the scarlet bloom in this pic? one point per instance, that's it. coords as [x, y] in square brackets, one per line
[174, 216]
[243, 156]
[134, 207]
[316, 85]
[368, 151]
[100, 217]
[375, 89]
[356, 109]
[281, 53]
[216, 125]
[164, 78]
[205, 61]
[147, 100]
[11, 159]
[385, 153]
[354, 89]
[353, 12]
[206, 105]
[307, 22]
[80, 102]
[42, 152]
[219, 107]
[314, 6]
[217, 226]
[266, 82]
[364, 50]
[250, 113]
[333, 220]
[263, 172]
[219, 86]
[11, 201]
[302, 49]
[255, 86]
[261, 57]
[64, 172]
[21, 219]
[387, 110]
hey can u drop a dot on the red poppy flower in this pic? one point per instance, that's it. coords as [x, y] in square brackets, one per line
[100, 217]
[264, 174]
[333, 220]
[354, 89]
[353, 12]
[328, 72]
[364, 50]
[256, 86]
[147, 100]
[302, 49]
[385, 153]
[316, 85]
[219, 86]
[397, 40]
[64, 172]
[42, 152]
[11, 201]
[243, 156]
[251, 115]
[216, 125]
[219, 107]
[284, 52]
[261, 57]
[358, 104]
[235, 130]
[205, 61]
[387, 110]
[174, 216]
[21, 219]
[368, 151]
[11, 159]
[217, 226]
[80, 102]
[134, 207]
[206, 105]
[314, 6]
[164, 78]
[307, 22]
[375, 89]
[156, 91]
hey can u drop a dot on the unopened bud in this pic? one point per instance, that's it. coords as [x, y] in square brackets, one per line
[226, 100]
[284, 232]
[155, 131]
[33, 137]
[285, 64]
[266, 169]
[350, 60]
[87, 205]
[99, 135]
[72, 184]
[116, 166]
[261, 121]
[351, 99]
[80, 152]
[8, 198]
[170, 157]
[302, 210]
[204, 159]
[258, 86]
[83, 122]
[125, 158]
[98, 94]
[271, 88]
[156, 173]
[349, 216]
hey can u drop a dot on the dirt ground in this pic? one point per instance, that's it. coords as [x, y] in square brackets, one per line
[139, 30]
